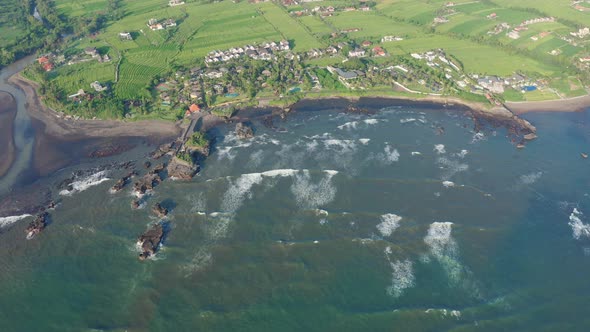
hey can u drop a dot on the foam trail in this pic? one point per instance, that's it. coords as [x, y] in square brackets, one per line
[85, 183]
[389, 223]
[531, 178]
[5, 221]
[311, 195]
[444, 248]
[402, 277]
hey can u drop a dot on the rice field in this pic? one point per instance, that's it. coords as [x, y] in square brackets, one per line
[203, 27]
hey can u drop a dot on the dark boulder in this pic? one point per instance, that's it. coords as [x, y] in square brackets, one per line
[159, 210]
[150, 240]
[244, 130]
[36, 226]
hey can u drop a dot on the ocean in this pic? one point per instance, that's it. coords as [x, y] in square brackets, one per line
[403, 219]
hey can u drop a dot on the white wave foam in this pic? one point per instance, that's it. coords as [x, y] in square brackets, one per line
[340, 145]
[448, 184]
[444, 248]
[348, 125]
[402, 277]
[239, 191]
[85, 183]
[579, 229]
[312, 146]
[389, 155]
[408, 120]
[371, 121]
[5, 221]
[313, 195]
[451, 167]
[364, 141]
[462, 154]
[416, 153]
[478, 137]
[530, 178]
[226, 153]
[389, 223]
[440, 148]
[439, 239]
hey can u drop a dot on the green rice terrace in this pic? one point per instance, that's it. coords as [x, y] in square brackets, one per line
[156, 58]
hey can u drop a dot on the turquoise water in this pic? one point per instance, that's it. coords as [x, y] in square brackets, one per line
[331, 222]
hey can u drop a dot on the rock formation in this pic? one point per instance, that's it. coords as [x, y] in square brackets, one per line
[244, 131]
[122, 182]
[180, 169]
[150, 240]
[36, 226]
[159, 210]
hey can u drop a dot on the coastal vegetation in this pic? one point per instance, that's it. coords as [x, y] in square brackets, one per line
[487, 51]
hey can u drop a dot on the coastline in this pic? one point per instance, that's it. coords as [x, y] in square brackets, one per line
[574, 104]
[57, 126]
[7, 116]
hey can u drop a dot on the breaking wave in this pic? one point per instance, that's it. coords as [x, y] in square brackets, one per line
[579, 229]
[349, 125]
[5, 221]
[389, 223]
[440, 148]
[85, 183]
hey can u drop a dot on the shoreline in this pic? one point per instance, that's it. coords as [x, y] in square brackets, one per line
[59, 127]
[8, 110]
[575, 104]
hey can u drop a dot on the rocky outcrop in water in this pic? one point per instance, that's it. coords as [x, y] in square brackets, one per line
[150, 180]
[162, 150]
[150, 240]
[122, 182]
[180, 169]
[159, 210]
[244, 130]
[36, 226]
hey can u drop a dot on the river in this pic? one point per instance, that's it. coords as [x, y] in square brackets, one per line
[24, 137]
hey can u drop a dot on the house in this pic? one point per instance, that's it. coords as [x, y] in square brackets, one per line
[91, 51]
[356, 53]
[152, 21]
[170, 23]
[378, 51]
[48, 66]
[492, 16]
[125, 36]
[194, 108]
[97, 87]
[344, 75]
[366, 43]
[390, 39]
[43, 60]
[173, 3]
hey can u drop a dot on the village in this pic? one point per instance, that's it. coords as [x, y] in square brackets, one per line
[280, 72]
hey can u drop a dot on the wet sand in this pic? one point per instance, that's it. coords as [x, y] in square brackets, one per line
[575, 104]
[7, 116]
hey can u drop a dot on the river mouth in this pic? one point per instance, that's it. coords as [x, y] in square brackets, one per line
[7, 116]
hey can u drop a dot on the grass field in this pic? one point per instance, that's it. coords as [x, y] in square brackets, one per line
[290, 28]
[10, 31]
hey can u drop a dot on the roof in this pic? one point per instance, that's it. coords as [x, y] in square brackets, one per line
[194, 108]
[43, 59]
